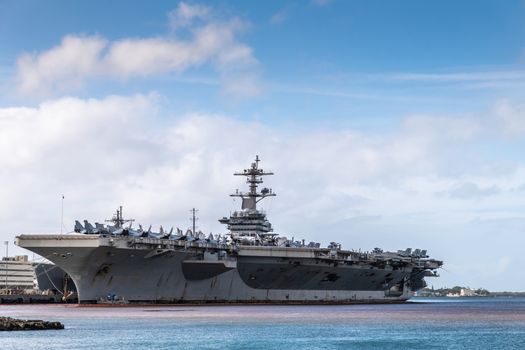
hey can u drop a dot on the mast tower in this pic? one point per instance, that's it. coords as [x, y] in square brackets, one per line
[118, 219]
[250, 223]
[253, 178]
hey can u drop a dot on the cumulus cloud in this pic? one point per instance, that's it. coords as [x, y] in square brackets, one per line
[361, 189]
[81, 58]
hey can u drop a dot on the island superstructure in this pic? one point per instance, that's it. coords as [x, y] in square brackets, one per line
[250, 264]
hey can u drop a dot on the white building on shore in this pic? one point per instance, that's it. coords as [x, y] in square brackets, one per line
[464, 292]
[17, 275]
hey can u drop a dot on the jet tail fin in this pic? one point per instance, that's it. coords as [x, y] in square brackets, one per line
[78, 227]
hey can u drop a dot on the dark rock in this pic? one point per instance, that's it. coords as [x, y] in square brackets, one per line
[13, 324]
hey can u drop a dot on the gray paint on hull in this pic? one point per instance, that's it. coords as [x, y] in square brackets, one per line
[142, 275]
[312, 274]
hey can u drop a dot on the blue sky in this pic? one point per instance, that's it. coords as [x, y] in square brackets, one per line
[387, 123]
[351, 55]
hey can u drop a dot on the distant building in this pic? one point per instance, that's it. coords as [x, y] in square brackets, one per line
[17, 275]
[28, 277]
[465, 292]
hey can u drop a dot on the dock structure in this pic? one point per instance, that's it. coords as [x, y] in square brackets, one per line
[23, 281]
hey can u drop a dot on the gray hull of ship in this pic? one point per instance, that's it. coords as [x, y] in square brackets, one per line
[174, 276]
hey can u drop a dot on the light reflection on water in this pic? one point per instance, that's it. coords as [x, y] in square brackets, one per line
[423, 323]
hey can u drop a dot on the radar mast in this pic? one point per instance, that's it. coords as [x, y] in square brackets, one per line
[253, 178]
[118, 219]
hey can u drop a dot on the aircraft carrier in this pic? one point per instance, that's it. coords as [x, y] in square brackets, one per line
[115, 262]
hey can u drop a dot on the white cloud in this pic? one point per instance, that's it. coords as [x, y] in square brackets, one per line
[508, 79]
[62, 67]
[510, 118]
[185, 13]
[79, 59]
[242, 85]
[364, 190]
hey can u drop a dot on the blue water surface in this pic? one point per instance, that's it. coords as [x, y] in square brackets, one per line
[461, 323]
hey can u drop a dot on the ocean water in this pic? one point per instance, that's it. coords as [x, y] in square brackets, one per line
[440, 323]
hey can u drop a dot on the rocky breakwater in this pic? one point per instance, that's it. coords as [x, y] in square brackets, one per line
[13, 324]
